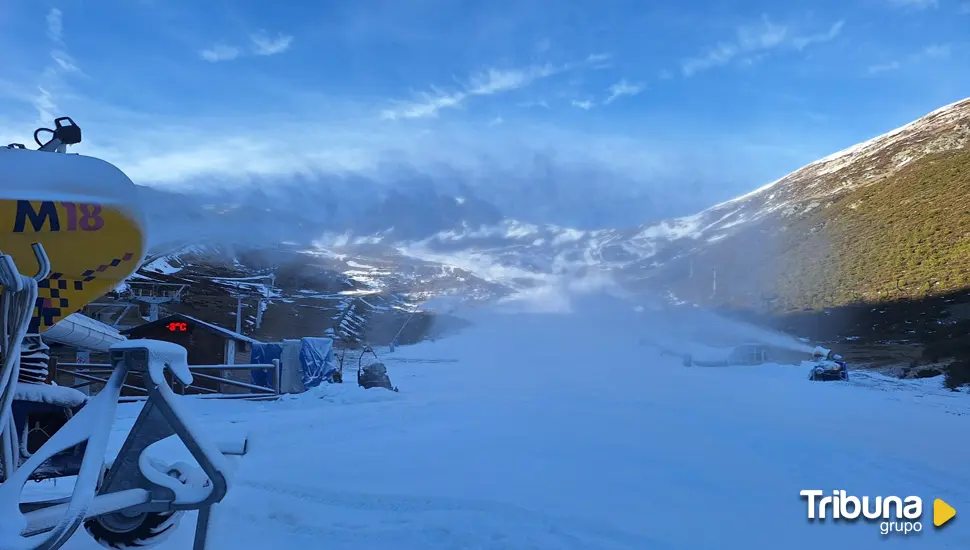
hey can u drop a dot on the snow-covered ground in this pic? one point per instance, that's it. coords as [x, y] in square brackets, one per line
[559, 431]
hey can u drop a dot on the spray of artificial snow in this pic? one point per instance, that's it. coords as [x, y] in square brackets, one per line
[685, 328]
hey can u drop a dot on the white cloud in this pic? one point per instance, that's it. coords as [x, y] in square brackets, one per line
[936, 51]
[50, 86]
[494, 81]
[883, 68]
[753, 41]
[64, 61]
[55, 24]
[45, 105]
[182, 152]
[220, 52]
[801, 42]
[914, 4]
[55, 32]
[348, 141]
[749, 40]
[533, 103]
[427, 104]
[264, 45]
[485, 83]
[933, 51]
[623, 88]
[599, 60]
[584, 105]
[260, 44]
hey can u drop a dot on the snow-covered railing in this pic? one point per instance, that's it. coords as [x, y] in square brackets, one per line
[97, 373]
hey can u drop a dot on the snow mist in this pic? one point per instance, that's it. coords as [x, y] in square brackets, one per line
[685, 328]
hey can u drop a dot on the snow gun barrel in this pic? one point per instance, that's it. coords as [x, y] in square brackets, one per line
[821, 353]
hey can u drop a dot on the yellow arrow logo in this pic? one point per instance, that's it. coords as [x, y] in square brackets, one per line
[942, 512]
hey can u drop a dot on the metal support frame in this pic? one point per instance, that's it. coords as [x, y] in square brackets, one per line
[89, 372]
[125, 489]
[125, 486]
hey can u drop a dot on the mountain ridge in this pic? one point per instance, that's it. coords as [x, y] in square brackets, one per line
[845, 248]
[780, 217]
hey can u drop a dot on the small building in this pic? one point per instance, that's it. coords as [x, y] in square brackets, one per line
[743, 354]
[748, 354]
[206, 343]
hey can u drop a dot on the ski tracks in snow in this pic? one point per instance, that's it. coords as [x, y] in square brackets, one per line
[359, 520]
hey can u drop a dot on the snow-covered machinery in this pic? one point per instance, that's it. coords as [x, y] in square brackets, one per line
[827, 366]
[74, 221]
[373, 375]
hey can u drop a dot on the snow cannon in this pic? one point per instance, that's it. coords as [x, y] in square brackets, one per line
[73, 223]
[85, 213]
[820, 353]
[373, 375]
[828, 366]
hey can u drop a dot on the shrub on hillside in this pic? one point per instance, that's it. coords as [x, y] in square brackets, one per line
[957, 374]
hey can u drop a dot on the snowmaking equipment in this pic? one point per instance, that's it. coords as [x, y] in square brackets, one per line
[828, 366]
[74, 223]
[373, 375]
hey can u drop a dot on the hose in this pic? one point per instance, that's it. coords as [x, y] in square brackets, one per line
[34, 360]
[17, 308]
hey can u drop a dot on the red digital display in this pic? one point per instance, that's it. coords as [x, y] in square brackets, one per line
[176, 326]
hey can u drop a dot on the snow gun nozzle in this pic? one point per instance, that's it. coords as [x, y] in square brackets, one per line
[820, 352]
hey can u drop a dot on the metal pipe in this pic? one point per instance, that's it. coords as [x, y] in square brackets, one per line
[235, 383]
[105, 381]
[45, 519]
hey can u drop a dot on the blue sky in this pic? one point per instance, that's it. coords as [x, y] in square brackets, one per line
[718, 98]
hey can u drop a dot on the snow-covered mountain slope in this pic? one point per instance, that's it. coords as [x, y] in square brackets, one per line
[777, 246]
[290, 292]
[526, 431]
[834, 232]
[522, 255]
[867, 163]
[517, 251]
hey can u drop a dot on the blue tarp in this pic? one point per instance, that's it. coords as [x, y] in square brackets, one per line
[317, 362]
[263, 354]
[316, 358]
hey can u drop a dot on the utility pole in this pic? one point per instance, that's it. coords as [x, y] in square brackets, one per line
[400, 330]
[231, 344]
[156, 295]
[239, 306]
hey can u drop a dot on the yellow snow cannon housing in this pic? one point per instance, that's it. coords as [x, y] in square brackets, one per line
[84, 212]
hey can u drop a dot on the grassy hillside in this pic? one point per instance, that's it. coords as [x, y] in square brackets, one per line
[905, 237]
[880, 270]
[882, 221]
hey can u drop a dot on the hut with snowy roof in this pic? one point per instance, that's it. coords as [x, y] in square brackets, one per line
[206, 343]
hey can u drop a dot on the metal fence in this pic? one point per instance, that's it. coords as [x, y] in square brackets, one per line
[86, 375]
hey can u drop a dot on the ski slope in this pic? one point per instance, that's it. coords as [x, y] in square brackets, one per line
[558, 431]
